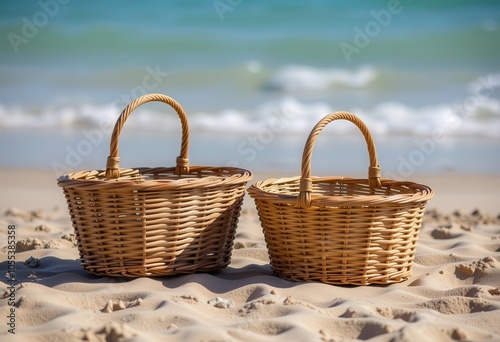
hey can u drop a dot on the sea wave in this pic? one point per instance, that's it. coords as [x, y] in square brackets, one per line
[286, 115]
[295, 78]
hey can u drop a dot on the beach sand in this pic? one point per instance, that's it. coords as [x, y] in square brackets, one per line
[452, 295]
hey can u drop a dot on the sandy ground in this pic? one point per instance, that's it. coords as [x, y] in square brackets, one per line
[452, 295]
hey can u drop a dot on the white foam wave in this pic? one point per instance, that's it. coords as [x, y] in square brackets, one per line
[57, 117]
[295, 78]
[286, 116]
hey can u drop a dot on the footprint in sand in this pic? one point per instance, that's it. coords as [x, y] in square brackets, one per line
[372, 329]
[459, 305]
[477, 269]
[404, 315]
[110, 332]
[29, 244]
[448, 231]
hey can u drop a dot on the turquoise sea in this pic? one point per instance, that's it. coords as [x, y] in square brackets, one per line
[254, 77]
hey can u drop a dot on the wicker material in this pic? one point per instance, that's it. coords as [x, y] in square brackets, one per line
[154, 221]
[340, 230]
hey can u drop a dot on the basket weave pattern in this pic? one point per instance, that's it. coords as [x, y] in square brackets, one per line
[155, 221]
[340, 230]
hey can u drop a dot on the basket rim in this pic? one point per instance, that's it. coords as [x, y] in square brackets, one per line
[416, 192]
[78, 179]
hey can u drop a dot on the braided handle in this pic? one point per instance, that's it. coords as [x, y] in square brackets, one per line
[306, 186]
[182, 162]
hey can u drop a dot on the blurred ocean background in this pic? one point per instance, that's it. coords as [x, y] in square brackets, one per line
[254, 77]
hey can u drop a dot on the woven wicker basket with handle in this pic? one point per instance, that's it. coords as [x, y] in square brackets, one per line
[340, 230]
[154, 221]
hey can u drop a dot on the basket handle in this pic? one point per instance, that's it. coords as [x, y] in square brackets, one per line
[182, 162]
[306, 186]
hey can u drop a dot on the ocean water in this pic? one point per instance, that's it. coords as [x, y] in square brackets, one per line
[254, 77]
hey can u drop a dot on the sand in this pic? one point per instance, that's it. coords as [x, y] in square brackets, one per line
[452, 295]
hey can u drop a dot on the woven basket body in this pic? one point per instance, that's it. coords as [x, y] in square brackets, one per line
[154, 221]
[340, 230]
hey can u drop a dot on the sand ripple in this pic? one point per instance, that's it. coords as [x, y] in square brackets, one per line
[453, 294]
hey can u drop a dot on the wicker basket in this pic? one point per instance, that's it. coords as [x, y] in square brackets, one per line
[154, 221]
[340, 230]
